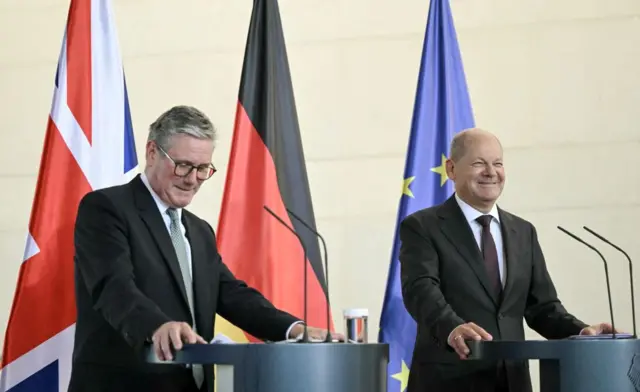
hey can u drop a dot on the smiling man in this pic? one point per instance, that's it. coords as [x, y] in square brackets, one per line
[471, 270]
[148, 272]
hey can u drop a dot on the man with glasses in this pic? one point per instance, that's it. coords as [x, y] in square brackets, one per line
[148, 271]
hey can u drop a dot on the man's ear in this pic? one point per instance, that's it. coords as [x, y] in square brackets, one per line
[150, 150]
[450, 166]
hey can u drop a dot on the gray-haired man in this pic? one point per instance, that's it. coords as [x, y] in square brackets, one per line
[148, 271]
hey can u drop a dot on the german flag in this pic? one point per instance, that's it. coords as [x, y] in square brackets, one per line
[267, 168]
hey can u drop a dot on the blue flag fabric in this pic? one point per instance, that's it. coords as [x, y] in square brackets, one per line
[442, 108]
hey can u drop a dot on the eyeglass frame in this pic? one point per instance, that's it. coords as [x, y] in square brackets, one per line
[212, 168]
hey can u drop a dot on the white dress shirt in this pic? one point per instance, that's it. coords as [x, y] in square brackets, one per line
[163, 207]
[471, 214]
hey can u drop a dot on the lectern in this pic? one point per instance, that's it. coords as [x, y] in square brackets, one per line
[289, 367]
[573, 365]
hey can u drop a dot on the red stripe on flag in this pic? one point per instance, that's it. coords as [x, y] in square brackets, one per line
[79, 93]
[253, 244]
[44, 301]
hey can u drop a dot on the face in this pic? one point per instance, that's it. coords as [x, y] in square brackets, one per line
[479, 175]
[174, 190]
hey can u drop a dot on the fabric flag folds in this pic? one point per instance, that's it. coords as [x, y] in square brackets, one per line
[88, 145]
[267, 168]
[442, 108]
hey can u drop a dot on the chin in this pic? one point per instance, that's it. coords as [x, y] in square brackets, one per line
[181, 202]
[487, 195]
[490, 197]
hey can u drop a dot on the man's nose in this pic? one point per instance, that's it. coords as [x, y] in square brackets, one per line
[192, 177]
[490, 171]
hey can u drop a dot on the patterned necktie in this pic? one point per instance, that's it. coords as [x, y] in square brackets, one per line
[181, 252]
[490, 253]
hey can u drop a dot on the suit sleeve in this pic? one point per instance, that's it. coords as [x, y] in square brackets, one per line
[421, 282]
[104, 262]
[248, 309]
[544, 312]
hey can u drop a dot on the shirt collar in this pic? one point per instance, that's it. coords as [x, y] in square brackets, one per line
[471, 213]
[162, 206]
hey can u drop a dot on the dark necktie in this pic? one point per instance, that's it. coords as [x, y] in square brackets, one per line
[490, 253]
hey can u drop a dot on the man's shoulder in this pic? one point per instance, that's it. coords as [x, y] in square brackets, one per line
[514, 219]
[432, 213]
[200, 223]
[193, 217]
[113, 192]
[119, 196]
[423, 214]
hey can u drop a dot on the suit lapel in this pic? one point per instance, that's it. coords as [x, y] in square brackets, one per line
[151, 216]
[201, 277]
[457, 230]
[509, 237]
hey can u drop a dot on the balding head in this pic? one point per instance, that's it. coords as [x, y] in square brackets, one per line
[463, 140]
[475, 166]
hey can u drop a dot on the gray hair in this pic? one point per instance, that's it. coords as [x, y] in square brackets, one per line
[181, 120]
[459, 146]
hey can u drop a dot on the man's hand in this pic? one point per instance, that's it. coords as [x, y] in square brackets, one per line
[173, 333]
[598, 329]
[314, 333]
[468, 331]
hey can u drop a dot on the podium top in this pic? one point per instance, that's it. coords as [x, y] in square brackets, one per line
[550, 349]
[237, 353]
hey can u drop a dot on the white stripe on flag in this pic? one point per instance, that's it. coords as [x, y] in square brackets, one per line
[59, 347]
[107, 161]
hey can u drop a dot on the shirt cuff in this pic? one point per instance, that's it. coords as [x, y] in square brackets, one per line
[286, 337]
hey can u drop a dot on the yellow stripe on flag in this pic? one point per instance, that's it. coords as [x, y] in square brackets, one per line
[232, 332]
[229, 330]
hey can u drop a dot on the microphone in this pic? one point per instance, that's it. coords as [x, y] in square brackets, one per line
[328, 339]
[633, 302]
[606, 273]
[305, 335]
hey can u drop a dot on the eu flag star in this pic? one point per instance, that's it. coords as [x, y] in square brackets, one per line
[435, 121]
[403, 377]
[405, 186]
[442, 170]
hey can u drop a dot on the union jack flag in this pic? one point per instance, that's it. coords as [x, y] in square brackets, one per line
[89, 144]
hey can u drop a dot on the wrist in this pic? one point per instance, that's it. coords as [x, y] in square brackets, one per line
[296, 330]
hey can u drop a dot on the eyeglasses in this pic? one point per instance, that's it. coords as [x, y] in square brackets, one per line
[183, 169]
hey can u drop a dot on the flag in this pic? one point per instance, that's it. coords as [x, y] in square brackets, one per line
[267, 168]
[88, 145]
[442, 108]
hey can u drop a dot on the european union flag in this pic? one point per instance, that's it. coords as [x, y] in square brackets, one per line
[442, 108]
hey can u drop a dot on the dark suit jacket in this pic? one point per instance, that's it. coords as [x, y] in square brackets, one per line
[128, 284]
[444, 284]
